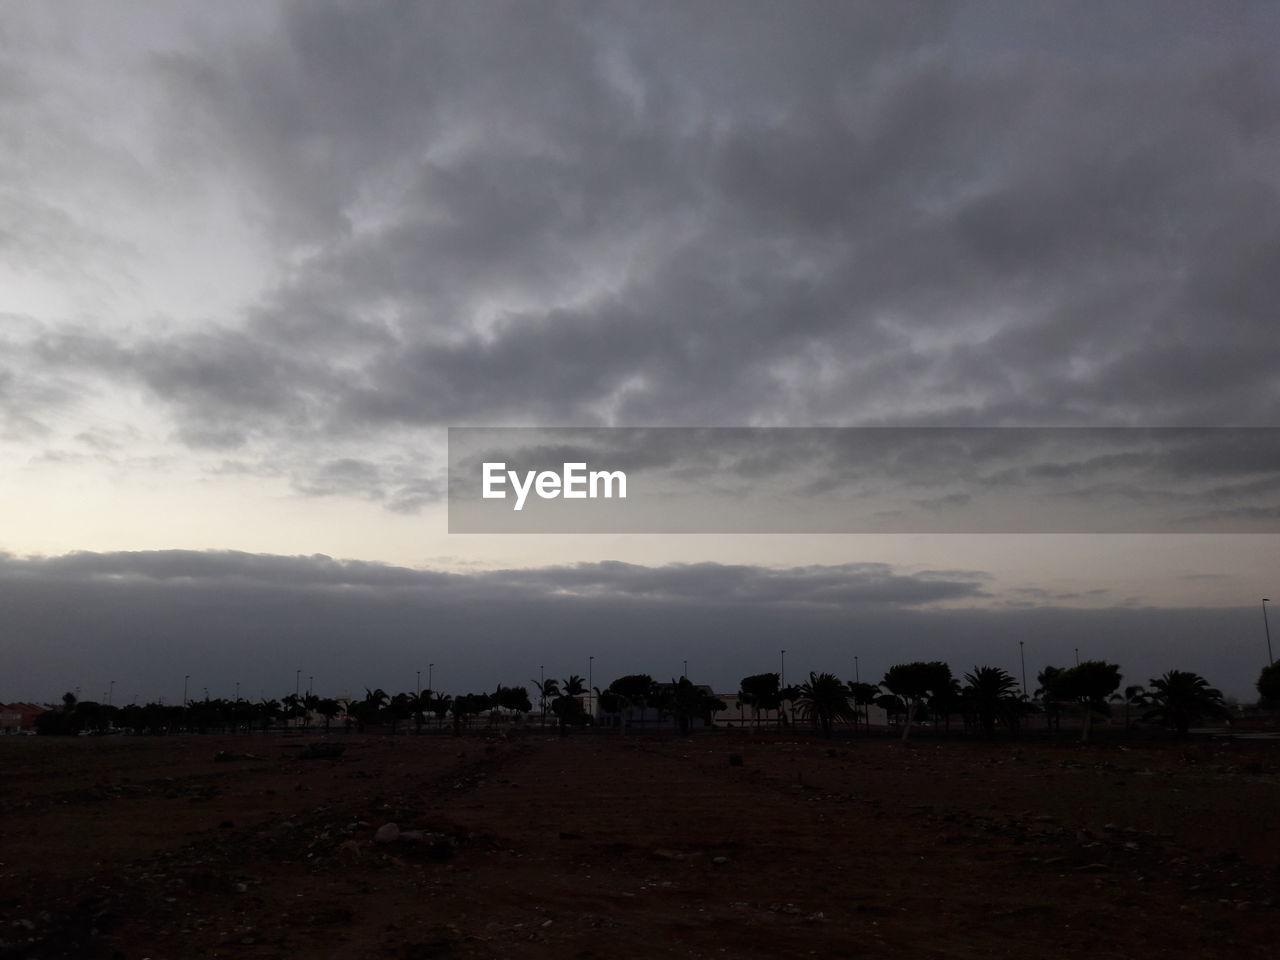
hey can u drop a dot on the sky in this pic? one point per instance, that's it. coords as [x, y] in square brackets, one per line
[257, 258]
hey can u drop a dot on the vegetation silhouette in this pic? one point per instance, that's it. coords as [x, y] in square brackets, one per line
[911, 694]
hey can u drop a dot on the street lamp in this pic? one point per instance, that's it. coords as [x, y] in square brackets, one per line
[590, 688]
[686, 670]
[857, 677]
[1022, 656]
[1077, 656]
[111, 692]
[419, 673]
[430, 685]
[1267, 626]
[310, 680]
[297, 682]
[184, 690]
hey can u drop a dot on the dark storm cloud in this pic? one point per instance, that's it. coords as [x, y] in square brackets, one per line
[147, 619]
[729, 213]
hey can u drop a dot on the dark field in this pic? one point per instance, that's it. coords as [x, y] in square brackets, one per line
[600, 846]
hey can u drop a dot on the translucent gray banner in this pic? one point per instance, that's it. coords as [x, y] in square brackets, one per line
[864, 480]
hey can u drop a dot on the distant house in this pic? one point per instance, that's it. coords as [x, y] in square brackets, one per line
[19, 717]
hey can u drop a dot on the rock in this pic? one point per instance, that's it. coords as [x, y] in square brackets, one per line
[664, 854]
[719, 860]
[387, 833]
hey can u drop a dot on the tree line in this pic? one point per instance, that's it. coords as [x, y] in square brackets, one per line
[987, 698]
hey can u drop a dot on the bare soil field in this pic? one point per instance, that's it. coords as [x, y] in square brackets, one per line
[724, 844]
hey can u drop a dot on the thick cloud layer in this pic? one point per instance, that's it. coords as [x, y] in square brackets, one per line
[146, 620]
[706, 214]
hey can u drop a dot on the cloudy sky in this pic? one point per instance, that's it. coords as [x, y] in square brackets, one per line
[256, 258]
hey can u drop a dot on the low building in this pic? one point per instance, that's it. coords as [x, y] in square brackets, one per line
[19, 717]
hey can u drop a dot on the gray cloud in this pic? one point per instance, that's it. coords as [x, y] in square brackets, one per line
[721, 214]
[147, 619]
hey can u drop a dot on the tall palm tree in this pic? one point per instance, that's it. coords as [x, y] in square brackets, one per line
[989, 694]
[1180, 698]
[548, 690]
[824, 699]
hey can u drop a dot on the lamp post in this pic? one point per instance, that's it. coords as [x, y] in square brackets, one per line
[1267, 627]
[419, 673]
[430, 685]
[1022, 656]
[1077, 656]
[297, 682]
[111, 690]
[310, 682]
[237, 691]
[185, 681]
[857, 677]
[685, 672]
[590, 689]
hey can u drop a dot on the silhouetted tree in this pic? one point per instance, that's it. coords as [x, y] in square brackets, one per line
[989, 695]
[637, 689]
[1051, 693]
[1269, 684]
[761, 691]
[328, 708]
[914, 683]
[1134, 695]
[399, 707]
[1180, 699]
[1090, 684]
[548, 690]
[824, 699]
[864, 695]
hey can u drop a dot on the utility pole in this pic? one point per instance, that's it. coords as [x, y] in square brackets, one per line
[1265, 601]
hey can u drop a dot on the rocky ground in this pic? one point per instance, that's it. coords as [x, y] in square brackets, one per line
[721, 845]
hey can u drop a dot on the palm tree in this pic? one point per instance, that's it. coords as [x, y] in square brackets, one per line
[1180, 698]
[548, 690]
[441, 704]
[1135, 695]
[989, 695]
[824, 699]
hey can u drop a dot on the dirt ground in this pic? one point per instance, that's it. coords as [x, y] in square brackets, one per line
[726, 844]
